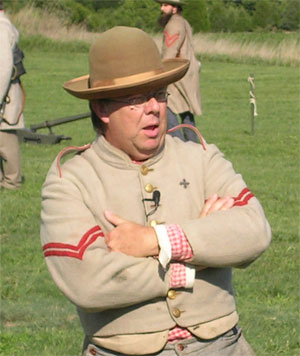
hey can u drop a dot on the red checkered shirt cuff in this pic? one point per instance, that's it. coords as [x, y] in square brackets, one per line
[182, 275]
[178, 275]
[181, 249]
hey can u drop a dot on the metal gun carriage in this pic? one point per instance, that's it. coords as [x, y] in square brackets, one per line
[32, 136]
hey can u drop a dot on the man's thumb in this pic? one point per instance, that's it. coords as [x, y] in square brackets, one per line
[113, 218]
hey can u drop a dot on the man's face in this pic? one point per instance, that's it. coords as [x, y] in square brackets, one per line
[167, 9]
[138, 128]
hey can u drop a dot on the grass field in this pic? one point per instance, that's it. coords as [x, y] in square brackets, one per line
[37, 320]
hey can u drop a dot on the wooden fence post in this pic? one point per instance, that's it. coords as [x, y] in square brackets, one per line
[253, 111]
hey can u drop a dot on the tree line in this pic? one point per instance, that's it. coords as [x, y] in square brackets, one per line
[204, 15]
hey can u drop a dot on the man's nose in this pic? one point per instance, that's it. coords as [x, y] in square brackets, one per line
[152, 105]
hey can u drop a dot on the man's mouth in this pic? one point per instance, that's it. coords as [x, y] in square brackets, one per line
[151, 130]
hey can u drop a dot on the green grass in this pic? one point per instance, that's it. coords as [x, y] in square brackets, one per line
[37, 320]
[272, 38]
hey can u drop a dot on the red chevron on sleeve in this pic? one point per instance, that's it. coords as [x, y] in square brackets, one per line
[170, 40]
[243, 198]
[75, 251]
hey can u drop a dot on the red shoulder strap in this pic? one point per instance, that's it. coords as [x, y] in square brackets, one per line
[187, 126]
[67, 150]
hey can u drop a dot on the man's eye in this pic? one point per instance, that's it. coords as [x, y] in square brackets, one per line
[137, 100]
[161, 96]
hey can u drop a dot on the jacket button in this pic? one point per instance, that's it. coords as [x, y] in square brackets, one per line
[93, 351]
[176, 312]
[180, 347]
[171, 294]
[149, 188]
[145, 170]
[153, 223]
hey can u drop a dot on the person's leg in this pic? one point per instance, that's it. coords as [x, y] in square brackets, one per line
[188, 118]
[10, 154]
[172, 121]
[1, 169]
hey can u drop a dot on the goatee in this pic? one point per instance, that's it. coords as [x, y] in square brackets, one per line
[164, 19]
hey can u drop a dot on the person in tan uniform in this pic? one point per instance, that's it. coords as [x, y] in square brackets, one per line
[139, 229]
[11, 107]
[184, 99]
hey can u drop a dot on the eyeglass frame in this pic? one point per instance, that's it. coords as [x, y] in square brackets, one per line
[145, 99]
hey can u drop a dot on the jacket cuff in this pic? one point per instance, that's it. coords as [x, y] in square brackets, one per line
[165, 252]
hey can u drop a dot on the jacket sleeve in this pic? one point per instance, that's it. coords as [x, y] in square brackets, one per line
[232, 238]
[76, 255]
[174, 35]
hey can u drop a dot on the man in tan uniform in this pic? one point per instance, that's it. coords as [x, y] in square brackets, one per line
[184, 99]
[140, 230]
[11, 107]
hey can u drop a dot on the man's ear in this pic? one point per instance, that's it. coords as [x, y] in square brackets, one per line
[101, 110]
[174, 10]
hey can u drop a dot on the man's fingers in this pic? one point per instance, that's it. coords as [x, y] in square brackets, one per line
[228, 203]
[220, 204]
[214, 203]
[113, 218]
[208, 204]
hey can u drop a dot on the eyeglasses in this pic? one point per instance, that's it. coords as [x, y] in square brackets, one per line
[139, 101]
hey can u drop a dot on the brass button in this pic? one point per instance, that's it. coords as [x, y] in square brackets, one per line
[149, 188]
[172, 294]
[145, 170]
[180, 347]
[176, 312]
[93, 351]
[153, 223]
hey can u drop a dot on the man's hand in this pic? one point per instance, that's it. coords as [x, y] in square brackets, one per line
[215, 203]
[130, 238]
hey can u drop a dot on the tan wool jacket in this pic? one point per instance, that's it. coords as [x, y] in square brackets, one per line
[13, 114]
[124, 302]
[178, 43]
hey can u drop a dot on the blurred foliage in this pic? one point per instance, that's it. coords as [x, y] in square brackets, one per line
[204, 15]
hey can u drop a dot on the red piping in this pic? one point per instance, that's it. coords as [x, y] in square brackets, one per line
[67, 149]
[187, 126]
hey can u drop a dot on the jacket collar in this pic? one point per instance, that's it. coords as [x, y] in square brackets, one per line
[117, 158]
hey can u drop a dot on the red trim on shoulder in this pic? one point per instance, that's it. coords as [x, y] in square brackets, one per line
[75, 251]
[170, 40]
[192, 128]
[68, 150]
[243, 198]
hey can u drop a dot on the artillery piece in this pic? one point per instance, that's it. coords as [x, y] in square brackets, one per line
[32, 136]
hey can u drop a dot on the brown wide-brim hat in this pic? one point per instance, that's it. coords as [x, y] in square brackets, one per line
[172, 2]
[125, 61]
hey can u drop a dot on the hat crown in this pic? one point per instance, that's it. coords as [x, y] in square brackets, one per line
[125, 61]
[121, 52]
[172, 2]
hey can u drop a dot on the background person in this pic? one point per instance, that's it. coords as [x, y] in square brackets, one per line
[184, 97]
[140, 230]
[11, 107]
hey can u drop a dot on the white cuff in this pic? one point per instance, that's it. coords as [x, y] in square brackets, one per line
[190, 273]
[165, 253]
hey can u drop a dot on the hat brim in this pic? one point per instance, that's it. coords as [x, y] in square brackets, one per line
[172, 71]
[175, 3]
